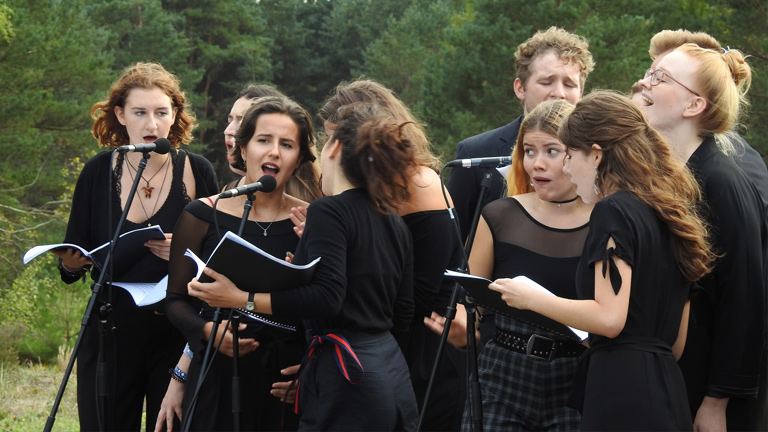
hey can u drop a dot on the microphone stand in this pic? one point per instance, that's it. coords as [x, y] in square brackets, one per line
[235, 321]
[104, 311]
[207, 360]
[473, 383]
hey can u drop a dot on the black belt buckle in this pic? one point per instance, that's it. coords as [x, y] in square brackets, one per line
[541, 354]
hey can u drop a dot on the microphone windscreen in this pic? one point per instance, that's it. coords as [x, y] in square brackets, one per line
[268, 183]
[162, 146]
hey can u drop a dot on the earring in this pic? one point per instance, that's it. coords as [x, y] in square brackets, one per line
[594, 185]
[531, 182]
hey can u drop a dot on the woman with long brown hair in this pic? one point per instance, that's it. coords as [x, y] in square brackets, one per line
[645, 248]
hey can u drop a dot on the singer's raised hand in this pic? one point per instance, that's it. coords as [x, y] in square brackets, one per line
[299, 217]
[161, 248]
[222, 292]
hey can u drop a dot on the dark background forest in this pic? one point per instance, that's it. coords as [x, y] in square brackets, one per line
[452, 61]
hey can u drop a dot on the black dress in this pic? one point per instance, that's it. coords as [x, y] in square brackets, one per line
[278, 348]
[143, 345]
[436, 247]
[633, 381]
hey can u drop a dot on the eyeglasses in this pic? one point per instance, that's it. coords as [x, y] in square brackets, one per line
[658, 75]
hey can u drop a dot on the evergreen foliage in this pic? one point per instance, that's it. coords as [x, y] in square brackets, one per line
[452, 61]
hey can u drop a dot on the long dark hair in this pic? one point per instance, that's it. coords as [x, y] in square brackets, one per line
[636, 158]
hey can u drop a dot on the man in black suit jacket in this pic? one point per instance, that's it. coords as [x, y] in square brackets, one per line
[552, 64]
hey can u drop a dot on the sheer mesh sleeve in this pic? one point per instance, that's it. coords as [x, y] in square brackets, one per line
[182, 309]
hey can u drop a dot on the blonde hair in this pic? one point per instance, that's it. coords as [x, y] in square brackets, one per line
[667, 40]
[546, 118]
[637, 159]
[723, 79]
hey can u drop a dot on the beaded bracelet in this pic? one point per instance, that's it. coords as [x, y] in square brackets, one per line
[178, 375]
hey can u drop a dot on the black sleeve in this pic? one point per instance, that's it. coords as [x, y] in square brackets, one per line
[80, 226]
[324, 236]
[206, 182]
[182, 309]
[736, 219]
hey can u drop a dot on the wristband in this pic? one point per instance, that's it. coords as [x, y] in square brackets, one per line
[188, 351]
[178, 375]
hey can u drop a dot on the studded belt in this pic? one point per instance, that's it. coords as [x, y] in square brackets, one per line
[538, 346]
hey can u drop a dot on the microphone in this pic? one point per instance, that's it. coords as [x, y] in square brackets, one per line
[498, 161]
[266, 184]
[161, 146]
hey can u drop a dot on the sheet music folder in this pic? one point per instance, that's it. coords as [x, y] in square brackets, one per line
[128, 251]
[254, 270]
[477, 287]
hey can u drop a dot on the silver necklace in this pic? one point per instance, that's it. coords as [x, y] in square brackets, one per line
[282, 203]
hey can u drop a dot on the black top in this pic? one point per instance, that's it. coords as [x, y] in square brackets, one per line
[464, 184]
[436, 247]
[524, 246]
[89, 225]
[659, 290]
[196, 231]
[725, 334]
[364, 280]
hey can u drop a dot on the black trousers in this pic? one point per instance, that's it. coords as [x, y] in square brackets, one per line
[383, 399]
[139, 353]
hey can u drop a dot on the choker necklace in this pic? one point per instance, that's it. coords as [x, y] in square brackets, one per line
[566, 201]
[273, 219]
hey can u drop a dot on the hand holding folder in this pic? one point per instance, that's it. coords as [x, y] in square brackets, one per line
[128, 250]
[253, 270]
[477, 287]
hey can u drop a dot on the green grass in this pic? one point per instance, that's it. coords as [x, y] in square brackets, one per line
[27, 393]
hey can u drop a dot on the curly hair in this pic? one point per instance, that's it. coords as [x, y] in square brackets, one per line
[546, 118]
[567, 46]
[377, 155]
[370, 92]
[106, 127]
[636, 158]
